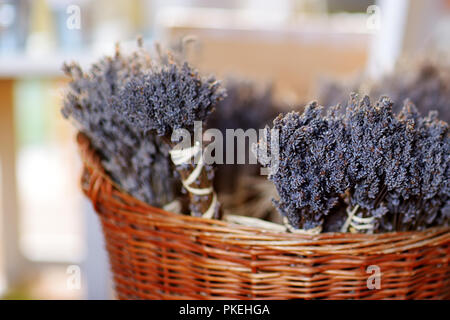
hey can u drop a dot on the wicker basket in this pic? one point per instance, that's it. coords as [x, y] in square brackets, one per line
[162, 255]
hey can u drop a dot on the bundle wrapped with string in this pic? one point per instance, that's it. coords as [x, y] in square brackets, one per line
[361, 168]
[167, 97]
[129, 106]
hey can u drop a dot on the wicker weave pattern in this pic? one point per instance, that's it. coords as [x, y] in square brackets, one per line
[162, 255]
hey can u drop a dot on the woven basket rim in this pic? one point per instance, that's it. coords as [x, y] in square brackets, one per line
[146, 214]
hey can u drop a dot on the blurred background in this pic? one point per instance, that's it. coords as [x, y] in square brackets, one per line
[50, 243]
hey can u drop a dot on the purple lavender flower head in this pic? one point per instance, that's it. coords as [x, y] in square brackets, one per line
[167, 96]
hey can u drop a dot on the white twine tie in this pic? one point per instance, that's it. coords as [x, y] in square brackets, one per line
[357, 223]
[183, 156]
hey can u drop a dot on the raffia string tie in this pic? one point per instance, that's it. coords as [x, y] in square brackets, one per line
[174, 206]
[182, 156]
[357, 223]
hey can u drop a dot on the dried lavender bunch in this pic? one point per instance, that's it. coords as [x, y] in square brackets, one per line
[399, 165]
[136, 160]
[391, 170]
[311, 173]
[418, 195]
[171, 95]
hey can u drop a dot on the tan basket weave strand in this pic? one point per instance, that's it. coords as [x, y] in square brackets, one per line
[156, 254]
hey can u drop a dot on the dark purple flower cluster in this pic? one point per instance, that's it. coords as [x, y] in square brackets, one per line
[136, 160]
[391, 167]
[418, 184]
[312, 165]
[168, 96]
